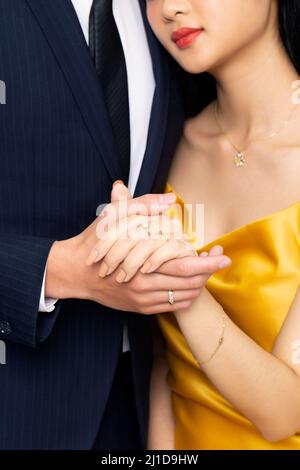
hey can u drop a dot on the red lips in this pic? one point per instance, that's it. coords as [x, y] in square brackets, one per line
[184, 37]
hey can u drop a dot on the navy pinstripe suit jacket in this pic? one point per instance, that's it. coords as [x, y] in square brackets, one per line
[57, 164]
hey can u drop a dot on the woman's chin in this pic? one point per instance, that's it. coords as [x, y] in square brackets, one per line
[193, 68]
[193, 63]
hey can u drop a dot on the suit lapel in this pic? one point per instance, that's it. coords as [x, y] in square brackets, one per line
[60, 25]
[159, 113]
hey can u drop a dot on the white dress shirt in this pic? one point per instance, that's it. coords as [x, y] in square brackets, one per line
[141, 87]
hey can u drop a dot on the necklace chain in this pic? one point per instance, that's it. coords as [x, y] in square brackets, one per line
[239, 157]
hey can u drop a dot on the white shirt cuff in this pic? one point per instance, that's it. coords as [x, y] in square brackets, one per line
[46, 304]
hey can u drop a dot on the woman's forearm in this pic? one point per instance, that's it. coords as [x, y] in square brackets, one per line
[261, 386]
[161, 422]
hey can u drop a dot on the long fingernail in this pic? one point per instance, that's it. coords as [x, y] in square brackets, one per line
[146, 267]
[103, 270]
[121, 276]
[224, 264]
[93, 256]
[204, 254]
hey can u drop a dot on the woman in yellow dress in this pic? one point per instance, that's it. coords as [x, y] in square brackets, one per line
[228, 373]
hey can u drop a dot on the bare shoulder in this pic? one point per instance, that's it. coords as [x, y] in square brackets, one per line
[201, 129]
[198, 137]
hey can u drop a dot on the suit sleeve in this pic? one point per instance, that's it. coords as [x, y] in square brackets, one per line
[47, 304]
[23, 261]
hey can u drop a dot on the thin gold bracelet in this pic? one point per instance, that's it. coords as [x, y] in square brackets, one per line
[220, 342]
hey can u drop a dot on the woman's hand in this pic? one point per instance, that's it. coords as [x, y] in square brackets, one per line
[137, 241]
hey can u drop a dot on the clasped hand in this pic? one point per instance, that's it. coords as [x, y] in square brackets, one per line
[149, 254]
[132, 240]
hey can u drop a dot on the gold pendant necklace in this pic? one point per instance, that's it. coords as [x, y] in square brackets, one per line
[239, 157]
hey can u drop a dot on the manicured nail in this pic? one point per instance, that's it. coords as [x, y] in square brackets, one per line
[204, 254]
[146, 267]
[117, 182]
[103, 270]
[217, 250]
[110, 270]
[121, 276]
[224, 264]
[169, 198]
[93, 257]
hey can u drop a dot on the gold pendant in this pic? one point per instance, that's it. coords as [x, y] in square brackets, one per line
[239, 159]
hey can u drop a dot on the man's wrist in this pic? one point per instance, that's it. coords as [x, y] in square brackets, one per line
[58, 282]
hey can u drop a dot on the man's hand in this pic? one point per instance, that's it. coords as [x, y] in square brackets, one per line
[132, 242]
[145, 293]
[69, 276]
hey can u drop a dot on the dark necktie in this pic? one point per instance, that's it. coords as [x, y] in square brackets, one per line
[108, 56]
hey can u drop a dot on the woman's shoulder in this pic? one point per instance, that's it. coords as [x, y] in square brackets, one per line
[201, 129]
[196, 145]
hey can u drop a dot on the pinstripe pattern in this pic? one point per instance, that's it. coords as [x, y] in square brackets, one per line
[57, 163]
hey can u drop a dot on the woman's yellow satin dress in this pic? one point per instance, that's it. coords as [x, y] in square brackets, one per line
[256, 291]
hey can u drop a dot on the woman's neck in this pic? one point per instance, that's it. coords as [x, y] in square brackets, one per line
[255, 90]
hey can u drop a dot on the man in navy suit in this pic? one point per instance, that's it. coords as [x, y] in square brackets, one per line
[78, 360]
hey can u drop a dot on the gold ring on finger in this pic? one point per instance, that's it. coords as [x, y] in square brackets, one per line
[171, 299]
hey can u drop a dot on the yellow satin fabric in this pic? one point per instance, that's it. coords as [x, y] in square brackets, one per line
[256, 292]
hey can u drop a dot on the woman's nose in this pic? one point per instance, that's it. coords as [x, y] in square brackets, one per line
[172, 8]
